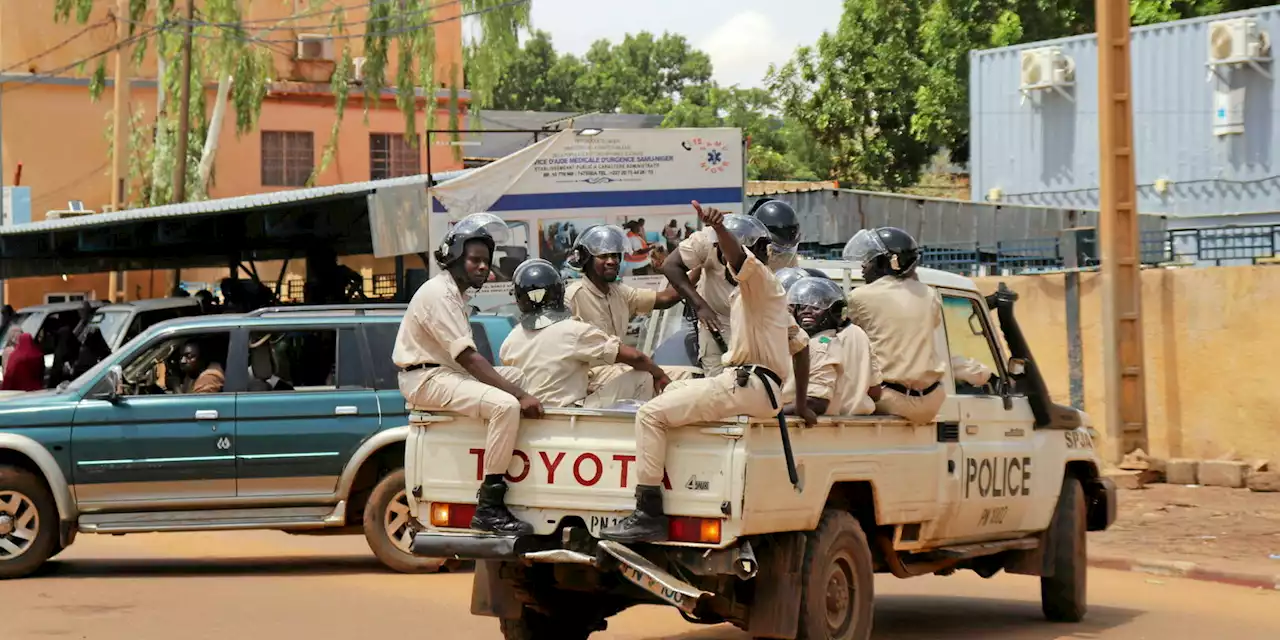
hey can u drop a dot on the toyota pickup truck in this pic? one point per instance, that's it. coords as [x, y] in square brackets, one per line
[1005, 480]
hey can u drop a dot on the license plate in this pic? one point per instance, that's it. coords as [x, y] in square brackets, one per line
[597, 522]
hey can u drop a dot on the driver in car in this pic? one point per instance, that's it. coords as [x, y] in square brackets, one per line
[202, 376]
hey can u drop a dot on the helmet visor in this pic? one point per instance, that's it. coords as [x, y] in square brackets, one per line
[809, 291]
[789, 276]
[483, 224]
[604, 239]
[746, 229]
[863, 246]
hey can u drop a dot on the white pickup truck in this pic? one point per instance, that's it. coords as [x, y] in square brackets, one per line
[1005, 479]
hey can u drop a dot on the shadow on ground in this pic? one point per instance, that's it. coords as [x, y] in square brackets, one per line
[205, 567]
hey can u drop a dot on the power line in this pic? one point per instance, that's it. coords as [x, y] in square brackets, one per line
[353, 36]
[27, 81]
[69, 40]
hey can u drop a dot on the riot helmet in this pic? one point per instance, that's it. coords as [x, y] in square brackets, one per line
[789, 275]
[818, 304]
[883, 251]
[599, 241]
[781, 221]
[485, 227]
[539, 292]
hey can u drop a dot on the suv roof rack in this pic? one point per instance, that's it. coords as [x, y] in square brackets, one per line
[354, 309]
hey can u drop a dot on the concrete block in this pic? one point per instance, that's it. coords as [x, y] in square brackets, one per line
[1182, 471]
[1265, 482]
[1223, 473]
[1131, 480]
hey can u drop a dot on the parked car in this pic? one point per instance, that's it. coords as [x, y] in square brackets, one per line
[122, 322]
[42, 321]
[306, 436]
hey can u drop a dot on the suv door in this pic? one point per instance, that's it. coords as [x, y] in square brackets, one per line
[997, 472]
[308, 405]
[158, 443]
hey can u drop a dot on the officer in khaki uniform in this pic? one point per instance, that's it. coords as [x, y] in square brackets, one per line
[555, 351]
[844, 379]
[710, 299]
[901, 315]
[600, 300]
[764, 350]
[440, 368]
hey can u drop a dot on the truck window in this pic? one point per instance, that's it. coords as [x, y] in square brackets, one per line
[973, 362]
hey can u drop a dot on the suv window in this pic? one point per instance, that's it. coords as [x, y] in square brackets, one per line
[289, 360]
[146, 319]
[179, 365]
[973, 361]
[382, 341]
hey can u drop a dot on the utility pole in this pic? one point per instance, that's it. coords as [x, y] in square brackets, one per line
[120, 115]
[1118, 234]
[184, 115]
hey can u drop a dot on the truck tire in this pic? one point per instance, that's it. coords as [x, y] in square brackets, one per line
[28, 523]
[1062, 596]
[389, 528]
[836, 600]
[532, 625]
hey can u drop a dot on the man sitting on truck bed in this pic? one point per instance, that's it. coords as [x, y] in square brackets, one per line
[844, 379]
[555, 351]
[757, 366]
[441, 369]
[901, 316]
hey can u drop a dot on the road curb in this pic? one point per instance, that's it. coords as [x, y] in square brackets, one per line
[1187, 570]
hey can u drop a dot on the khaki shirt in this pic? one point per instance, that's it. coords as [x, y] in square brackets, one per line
[555, 359]
[841, 370]
[764, 332]
[436, 328]
[610, 311]
[699, 251]
[901, 317]
[970, 371]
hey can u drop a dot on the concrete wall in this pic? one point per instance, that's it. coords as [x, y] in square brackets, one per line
[1045, 151]
[1210, 339]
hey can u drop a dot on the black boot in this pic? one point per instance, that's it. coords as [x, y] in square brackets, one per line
[646, 524]
[492, 515]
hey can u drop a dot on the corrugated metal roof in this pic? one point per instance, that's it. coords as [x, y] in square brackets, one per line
[224, 205]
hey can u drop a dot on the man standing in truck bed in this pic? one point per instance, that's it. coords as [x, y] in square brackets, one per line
[764, 351]
[440, 368]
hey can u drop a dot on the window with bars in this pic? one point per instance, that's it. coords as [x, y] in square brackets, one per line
[391, 156]
[288, 158]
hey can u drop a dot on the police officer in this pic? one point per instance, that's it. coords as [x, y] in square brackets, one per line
[440, 368]
[844, 379]
[764, 350]
[901, 315]
[554, 351]
[710, 299]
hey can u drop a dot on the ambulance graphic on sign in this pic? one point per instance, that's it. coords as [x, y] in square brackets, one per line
[714, 158]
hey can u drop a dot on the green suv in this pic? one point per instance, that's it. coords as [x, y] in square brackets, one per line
[303, 432]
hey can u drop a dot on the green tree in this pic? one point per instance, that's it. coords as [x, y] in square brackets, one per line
[539, 79]
[641, 74]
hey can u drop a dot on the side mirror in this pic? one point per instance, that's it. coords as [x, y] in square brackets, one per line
[1016, 367]
[112, 385]
[975, 324]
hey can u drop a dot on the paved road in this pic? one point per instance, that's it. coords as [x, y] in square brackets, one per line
[247, 586]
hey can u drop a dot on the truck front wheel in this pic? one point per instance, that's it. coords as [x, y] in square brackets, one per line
[838, 585]
[28, 523]
[1062, 595]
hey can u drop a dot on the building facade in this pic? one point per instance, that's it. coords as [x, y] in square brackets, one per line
[56, 134]
[1204, 121]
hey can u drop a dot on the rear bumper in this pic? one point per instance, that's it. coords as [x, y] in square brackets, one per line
[1102, 498]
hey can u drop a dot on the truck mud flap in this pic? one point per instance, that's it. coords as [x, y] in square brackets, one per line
[651, 578]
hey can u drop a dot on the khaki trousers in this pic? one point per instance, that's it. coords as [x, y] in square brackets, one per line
[447, 390]
[709, 352]
[607, 373]
[690, 402]
[628, 385]
[916, 409]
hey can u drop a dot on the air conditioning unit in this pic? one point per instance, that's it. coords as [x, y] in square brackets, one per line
[314, 46]
[1046, 68]
[358, 66]
[1237, 40]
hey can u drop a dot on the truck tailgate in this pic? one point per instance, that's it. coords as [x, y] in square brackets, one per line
[579, 463]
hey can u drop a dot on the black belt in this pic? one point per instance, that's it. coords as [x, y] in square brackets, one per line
[908, 391]
[766, 376]
[420, 365]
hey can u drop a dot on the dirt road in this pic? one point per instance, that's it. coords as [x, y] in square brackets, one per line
[250, 586]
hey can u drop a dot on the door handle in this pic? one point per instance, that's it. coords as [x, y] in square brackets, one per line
[345, 410]
[207, 414]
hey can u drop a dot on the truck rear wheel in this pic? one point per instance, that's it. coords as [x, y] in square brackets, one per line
[838, 587]
[28, 523]
[532, 625]
[1062, 596]
[389, 528]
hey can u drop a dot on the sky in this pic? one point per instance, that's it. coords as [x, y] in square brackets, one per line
[743, 37]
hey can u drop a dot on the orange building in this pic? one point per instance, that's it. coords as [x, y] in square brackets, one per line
[50, 127]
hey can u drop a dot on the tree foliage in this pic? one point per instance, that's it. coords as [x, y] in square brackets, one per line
[398, 41]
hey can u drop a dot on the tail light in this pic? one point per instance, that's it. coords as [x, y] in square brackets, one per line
[449, 515]
[700, 530]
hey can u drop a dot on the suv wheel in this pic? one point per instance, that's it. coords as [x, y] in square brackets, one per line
[1062, 596]
[389, 528]
[28, 523]
[838, 588]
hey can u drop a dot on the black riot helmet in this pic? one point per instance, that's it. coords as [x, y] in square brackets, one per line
[817, 303]
[539, 291]
[883, 251]
[782, 222]
[485, 227]
[597, 241]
